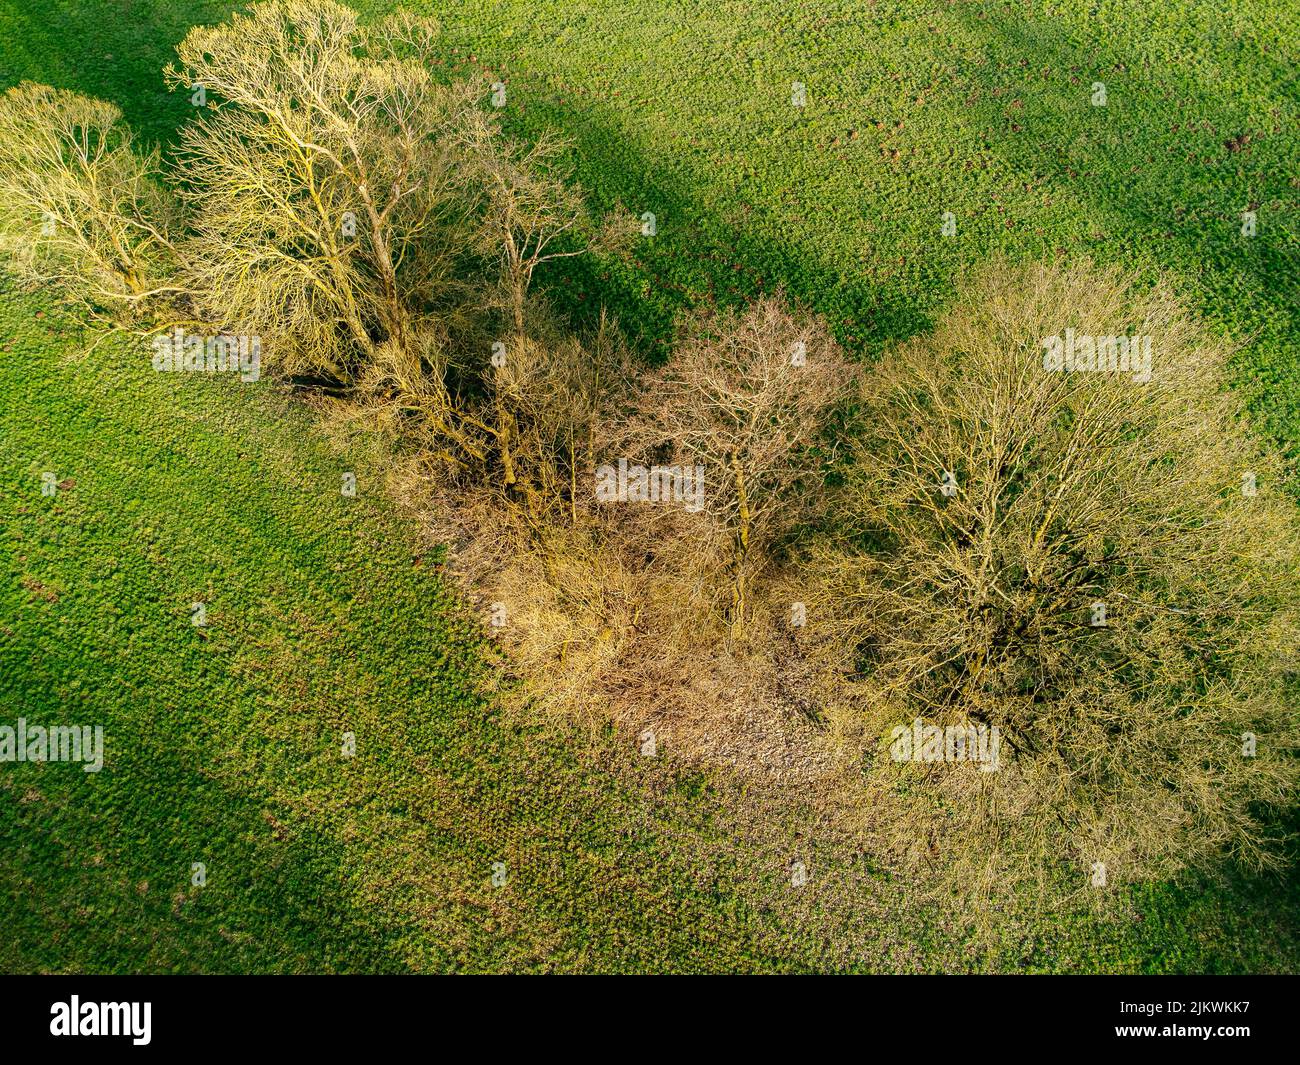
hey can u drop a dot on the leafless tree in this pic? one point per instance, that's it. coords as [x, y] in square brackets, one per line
[1099, 566]
[325, 192]
[747, 395]
[81, 206]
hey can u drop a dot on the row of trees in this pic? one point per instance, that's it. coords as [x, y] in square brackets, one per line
[923, 540]
[370, 223]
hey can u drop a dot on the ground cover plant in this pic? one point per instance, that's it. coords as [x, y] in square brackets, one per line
[504, 442]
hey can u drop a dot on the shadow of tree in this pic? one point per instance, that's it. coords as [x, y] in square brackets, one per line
[1167, 169]
[73, 46]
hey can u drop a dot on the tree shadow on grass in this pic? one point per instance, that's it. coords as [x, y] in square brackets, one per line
[1171, 170]
[98, 868]
[698, 258]
[111, 49]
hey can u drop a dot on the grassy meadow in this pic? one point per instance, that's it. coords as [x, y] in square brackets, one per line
[328, 614]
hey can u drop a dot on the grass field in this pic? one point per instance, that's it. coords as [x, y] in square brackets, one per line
[328, 614]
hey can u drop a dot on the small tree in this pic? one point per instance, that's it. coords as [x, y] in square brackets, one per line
[1100, 565]
[530, 208]
[80, 207]
[746, 396]
[532, 213]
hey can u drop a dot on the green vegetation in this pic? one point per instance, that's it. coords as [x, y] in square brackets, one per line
[327, 614]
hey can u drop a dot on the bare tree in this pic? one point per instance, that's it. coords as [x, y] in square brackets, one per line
[80, 207]
[747, 396]
[323, 180]
[531, 208]
[1090, 554]
[340, 194]
[532, 213]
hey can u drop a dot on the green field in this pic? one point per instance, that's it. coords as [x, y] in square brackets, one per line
[328, 614]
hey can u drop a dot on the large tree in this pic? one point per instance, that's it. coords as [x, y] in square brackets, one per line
[322, 177]
[1045, 533]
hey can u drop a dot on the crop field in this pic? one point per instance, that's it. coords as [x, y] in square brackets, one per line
[930, 136]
